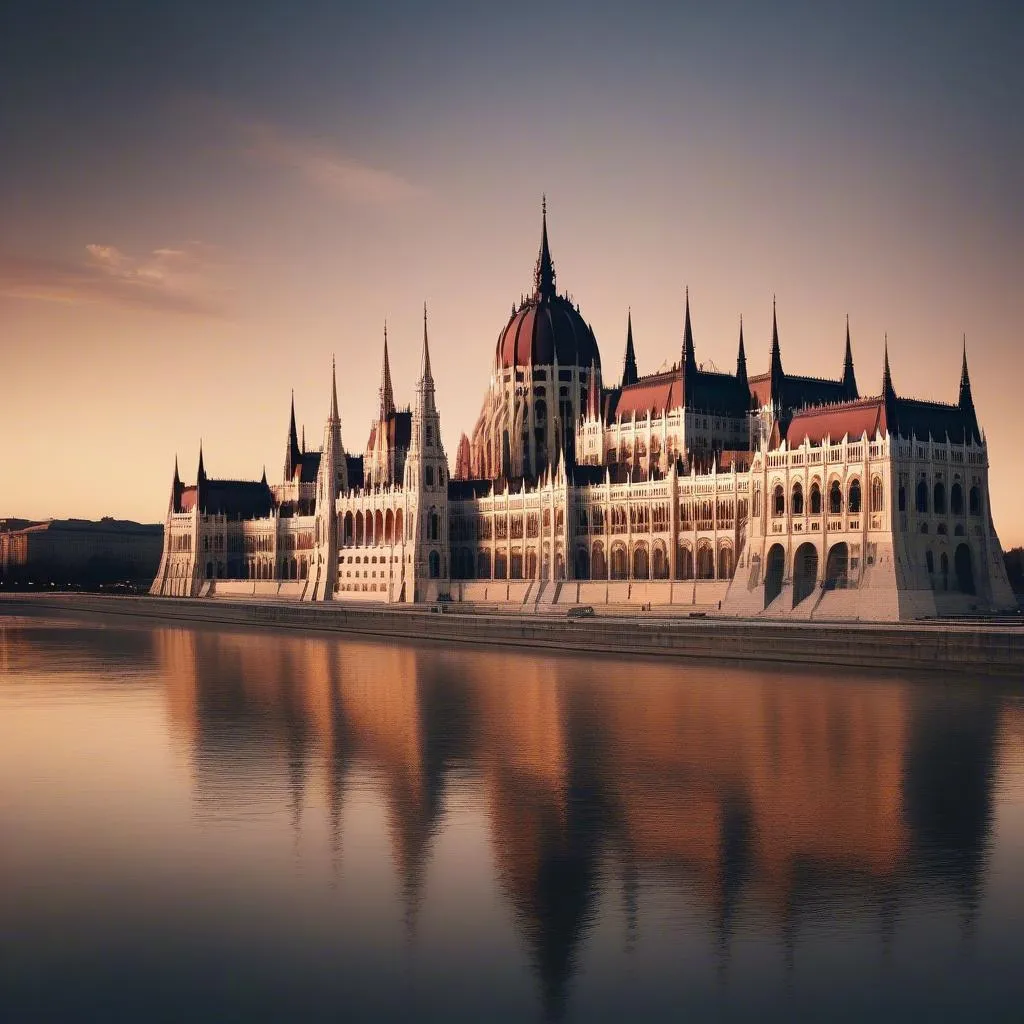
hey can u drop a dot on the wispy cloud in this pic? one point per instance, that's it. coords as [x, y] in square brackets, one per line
[332, 172]
[180, 280]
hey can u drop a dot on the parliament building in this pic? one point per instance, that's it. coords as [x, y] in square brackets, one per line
[770, 495]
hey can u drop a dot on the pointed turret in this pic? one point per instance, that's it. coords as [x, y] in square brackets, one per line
[778, 376]
[332, 481]
[303, 438]
[176, 488]
[629, 372]
[544, 272]
[688, 365]
[425, 373]
[292, 453]
[849, 380]
[201, 471]
[741, 361]
[387, 395]
[966, 401]
[887, 388]
[593, 394]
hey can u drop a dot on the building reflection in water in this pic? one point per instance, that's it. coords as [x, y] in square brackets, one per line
[791, 793]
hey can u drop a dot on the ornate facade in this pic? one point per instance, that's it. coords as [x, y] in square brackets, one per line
[769, 495]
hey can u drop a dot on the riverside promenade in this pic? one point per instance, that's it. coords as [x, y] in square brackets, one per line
[963, 647]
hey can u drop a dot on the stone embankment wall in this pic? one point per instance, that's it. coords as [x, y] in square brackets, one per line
[962, 648]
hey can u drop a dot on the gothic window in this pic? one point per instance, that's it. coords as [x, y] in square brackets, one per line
[796, 502]
[903, 498]
[684, 562]
[815, 499]
[429, 434]
[599, 567]
[429, 476]
[922, 496]
[725, 562]
[956, 500]
[778, 501]
[835, 498]
[434, 562]
[974, 500]
[877, 494]
[939, 501]
[853, 498]
[641, 564]
[483, 565]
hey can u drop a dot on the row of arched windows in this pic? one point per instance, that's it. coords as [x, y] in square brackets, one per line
[854, 498]
[938, 504]
[372, 528]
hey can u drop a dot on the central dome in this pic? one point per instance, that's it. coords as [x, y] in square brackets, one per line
[546, 328]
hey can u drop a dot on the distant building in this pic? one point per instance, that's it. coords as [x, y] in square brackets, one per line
[78, 551]
[772, 494]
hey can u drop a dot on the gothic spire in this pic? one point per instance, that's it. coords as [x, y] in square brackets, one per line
[776, 371]
[201, 471]
[593, 396]
[303, 438]
[741, 360]
[887, 389]
[544, 272]
[967, 399]
[849, 380]
[292, 453]
[334, 392]
[177, 478]
[629, 372]
[425, 373]
[689, 354]
[387, 395]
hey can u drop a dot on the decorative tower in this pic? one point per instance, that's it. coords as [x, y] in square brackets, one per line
[544, 272]
[292, 452]
[331, 481]
[629, 371]
[889, 393]
[380, 464]
[849, 380]
[778, 376]
[966, 402]
[741, 362]
[426, 484]
[689, 360]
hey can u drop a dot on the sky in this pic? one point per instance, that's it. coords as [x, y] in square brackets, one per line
[201, 203]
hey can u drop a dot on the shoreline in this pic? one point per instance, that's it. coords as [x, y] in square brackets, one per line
[985, 649]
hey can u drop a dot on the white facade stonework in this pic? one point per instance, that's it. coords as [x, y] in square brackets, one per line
[781, 496]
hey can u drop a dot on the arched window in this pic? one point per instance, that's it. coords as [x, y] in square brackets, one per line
[778, 501]
[922, 496]
[956, 500]
[939, 504]
[599, 567]
[929, 560]
[835, 498]
[944, 570]
[531, 564]
[500, 565]
[483, 565]
[581, 566]
[428, 476]
[389, 527]
[725, 566]
[641, 565]
[434, 525]
[659, 563]
[877, 494]
[853, 498]
[705, 562]
[359, 529]
[903, 498]
[796, 502]
[815, 499]
[974, 500]
[434, 563]
[619, 562]
[398, 526]
[684, 562]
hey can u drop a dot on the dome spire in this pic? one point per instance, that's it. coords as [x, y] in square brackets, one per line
[425, 373]
[849, 380]
[544, 273]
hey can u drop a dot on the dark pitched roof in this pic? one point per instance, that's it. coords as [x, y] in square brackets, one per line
[463, 490]
[237, 499]
[309, 467]
[798, 392]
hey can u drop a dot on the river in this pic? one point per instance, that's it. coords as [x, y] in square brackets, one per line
[209, 825]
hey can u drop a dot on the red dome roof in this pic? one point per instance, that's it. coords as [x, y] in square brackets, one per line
[547, 326]
[544, 330]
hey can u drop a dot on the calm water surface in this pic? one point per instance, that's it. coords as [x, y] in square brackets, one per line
[210, 825]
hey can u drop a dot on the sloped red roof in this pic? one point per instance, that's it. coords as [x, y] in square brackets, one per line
[850, 419]
[656, 394]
